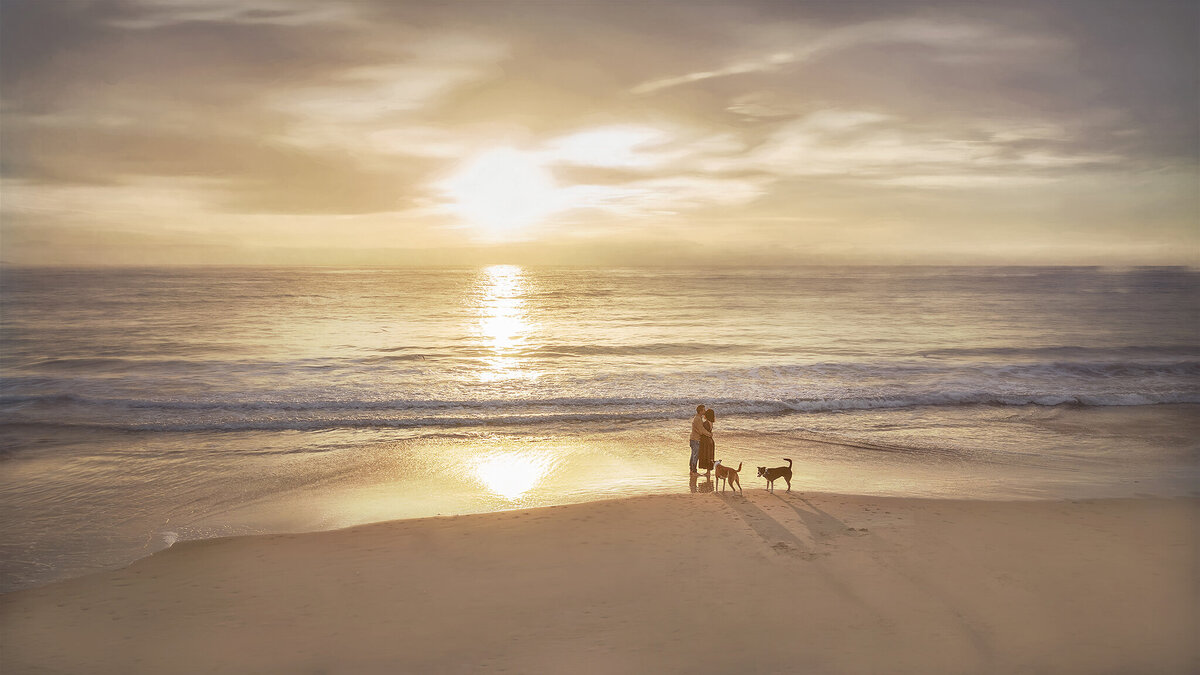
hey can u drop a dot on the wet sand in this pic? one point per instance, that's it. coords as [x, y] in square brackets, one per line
[697, 583]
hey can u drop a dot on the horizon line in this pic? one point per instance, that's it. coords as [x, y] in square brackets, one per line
[12, 265]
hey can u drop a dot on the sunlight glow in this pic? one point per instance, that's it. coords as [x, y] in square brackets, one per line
[511, 475]
[619, 146]
[502, 190]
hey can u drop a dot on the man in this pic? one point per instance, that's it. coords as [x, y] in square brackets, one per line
[698, 432]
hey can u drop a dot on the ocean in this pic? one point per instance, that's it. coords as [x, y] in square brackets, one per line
[140, 407]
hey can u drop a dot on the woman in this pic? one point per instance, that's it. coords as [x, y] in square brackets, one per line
[708, 449]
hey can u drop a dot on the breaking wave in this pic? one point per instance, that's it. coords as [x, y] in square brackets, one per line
[181, 416]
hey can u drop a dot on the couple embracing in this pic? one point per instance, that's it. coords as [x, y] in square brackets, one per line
[703, 449]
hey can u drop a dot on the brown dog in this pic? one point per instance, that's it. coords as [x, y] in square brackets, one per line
[784, 472]
[729, 474]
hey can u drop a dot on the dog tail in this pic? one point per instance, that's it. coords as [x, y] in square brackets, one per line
[788, 461]
[739, 466]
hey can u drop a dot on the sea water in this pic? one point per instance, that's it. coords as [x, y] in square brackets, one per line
[144, 406]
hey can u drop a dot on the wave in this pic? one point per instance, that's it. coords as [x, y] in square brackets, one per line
[654, 348]
[900, 371]
[1185, 362]
[902, 399]
[327, 404]
[386, 358]
[1183, 351]
[349, 414]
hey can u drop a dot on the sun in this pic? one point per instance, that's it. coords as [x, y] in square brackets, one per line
[502, 190]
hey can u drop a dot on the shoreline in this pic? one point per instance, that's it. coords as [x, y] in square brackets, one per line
[814, 582]
[988, 499]
[273, 482]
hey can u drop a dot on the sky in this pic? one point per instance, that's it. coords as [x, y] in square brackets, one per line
[615, 132]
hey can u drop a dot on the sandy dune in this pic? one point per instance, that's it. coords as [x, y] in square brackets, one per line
[682, 583]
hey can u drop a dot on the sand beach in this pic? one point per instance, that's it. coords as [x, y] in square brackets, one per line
[694, 583]
[366, 336]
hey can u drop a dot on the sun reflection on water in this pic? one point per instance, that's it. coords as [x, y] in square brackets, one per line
[503, 324]
[511, 475]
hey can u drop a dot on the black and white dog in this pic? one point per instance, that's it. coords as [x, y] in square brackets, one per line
[784, 472]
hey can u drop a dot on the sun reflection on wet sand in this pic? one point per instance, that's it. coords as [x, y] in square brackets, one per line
[511, 475]
[503, 324]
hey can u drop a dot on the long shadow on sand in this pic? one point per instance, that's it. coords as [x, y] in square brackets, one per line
[821, 525]
[771, 531]
[787, 543]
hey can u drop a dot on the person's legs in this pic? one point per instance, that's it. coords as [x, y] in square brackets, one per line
[695, 455]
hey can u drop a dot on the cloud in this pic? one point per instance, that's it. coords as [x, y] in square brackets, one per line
[158, 13]
[866, 145]
[664, 196]
[927, 117]
[615, 146]
[423, 70]
[952, 41]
